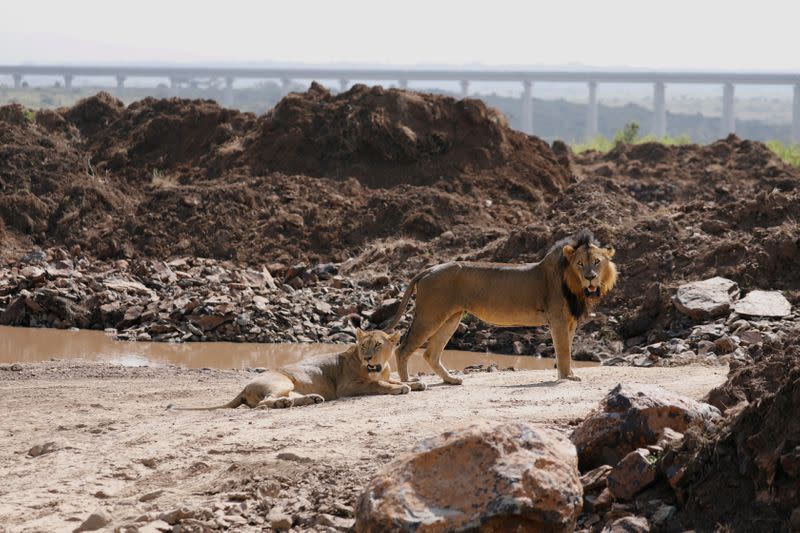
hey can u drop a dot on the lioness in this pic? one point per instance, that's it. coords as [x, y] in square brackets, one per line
[361, 370]
[557, 291]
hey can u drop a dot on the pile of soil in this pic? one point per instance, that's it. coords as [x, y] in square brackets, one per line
[748, 476]
[186, 177]
[388, 136]
[389, 181]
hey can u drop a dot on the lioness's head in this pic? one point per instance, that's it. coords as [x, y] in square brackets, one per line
[374, 349]
[588, 269]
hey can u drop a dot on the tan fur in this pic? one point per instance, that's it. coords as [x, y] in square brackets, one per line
[328, 377]
[507, 295]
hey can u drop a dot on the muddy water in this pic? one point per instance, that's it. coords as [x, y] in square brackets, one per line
[30, 345]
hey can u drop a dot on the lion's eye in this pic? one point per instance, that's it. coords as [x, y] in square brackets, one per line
[580, 263]
[596, 261]
[378, 345]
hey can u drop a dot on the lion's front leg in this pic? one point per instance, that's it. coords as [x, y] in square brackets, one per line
[415, 385]
[562, 342]
[372, 388]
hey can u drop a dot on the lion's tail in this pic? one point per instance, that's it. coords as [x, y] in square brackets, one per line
[233, 404]
[404, 302]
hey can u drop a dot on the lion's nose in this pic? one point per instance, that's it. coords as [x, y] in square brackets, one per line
[591, 276]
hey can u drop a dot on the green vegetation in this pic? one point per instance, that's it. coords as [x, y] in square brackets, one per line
[790, 153]
[628, 134]
[30, 115]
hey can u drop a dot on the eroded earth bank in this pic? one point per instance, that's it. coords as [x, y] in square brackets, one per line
[176, 220]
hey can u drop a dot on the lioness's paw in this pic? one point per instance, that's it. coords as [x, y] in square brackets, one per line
[404, 389]
[418, 385]
[412, 379]
[452, 380]
[317, 398]
[571, 377]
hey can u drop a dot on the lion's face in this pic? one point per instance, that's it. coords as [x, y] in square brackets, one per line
[374, 349]
[590, 270]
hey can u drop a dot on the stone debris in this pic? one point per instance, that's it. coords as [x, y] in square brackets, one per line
[633, 473]
[764, 303]
[97, 520]
[632, 416]
[706, 299]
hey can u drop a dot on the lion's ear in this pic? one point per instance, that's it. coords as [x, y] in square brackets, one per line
[568, 251]
[394, 337]
[610, 251]
[359, 333]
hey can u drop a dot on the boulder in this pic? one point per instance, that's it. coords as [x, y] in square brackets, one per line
[632, 416]
[635, 472]
[512, 477]
[764, 303]
[706, 299]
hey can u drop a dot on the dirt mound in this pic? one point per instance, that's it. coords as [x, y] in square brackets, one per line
[47, 184]
[749, 476]
[155, 138]
[388, 136]
[431, 179]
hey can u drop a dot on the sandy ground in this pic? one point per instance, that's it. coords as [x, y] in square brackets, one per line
[117, 448]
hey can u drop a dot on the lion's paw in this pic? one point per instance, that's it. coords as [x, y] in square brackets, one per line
[571, 377]
[418, 386]
[452, 380]
[404, 389]
[316, 397]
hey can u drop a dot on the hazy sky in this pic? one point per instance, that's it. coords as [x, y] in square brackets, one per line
[762, 35]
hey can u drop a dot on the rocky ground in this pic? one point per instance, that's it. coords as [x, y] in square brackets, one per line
[180, 221]
[79, 437]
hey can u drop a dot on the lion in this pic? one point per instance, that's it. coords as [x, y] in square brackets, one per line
[361, 370]
[558, 291]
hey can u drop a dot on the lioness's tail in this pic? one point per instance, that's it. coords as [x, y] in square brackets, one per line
[404, 302]
[233, 404]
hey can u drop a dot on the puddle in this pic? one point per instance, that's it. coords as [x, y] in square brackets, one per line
[32, 344]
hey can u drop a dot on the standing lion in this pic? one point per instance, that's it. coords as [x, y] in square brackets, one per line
[558, 291]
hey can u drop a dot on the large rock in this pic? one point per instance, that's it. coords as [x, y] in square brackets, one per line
[763, 303]
[512, 477]
[706, 299]
[633, 416]
[635, 472]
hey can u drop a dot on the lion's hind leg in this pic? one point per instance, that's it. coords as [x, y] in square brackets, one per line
[436, 344]
[276, 391]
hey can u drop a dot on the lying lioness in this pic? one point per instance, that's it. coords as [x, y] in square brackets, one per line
[361, 370]
[557, 291]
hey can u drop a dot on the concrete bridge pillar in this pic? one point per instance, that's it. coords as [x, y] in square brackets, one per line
[464, 88]
[659, 110]
[527, 107]
[68, 81]
[343, 85]
[403, 84]
[120, 85]
[728, 117]
[17, 80]
[591, 111]
[796, 114]
[227, 96]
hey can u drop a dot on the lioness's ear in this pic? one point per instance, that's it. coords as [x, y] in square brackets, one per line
[359, 333]
[568, 251]
[610, 251]
[394, 337]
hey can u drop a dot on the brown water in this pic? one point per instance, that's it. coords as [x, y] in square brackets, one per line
[31, 345]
